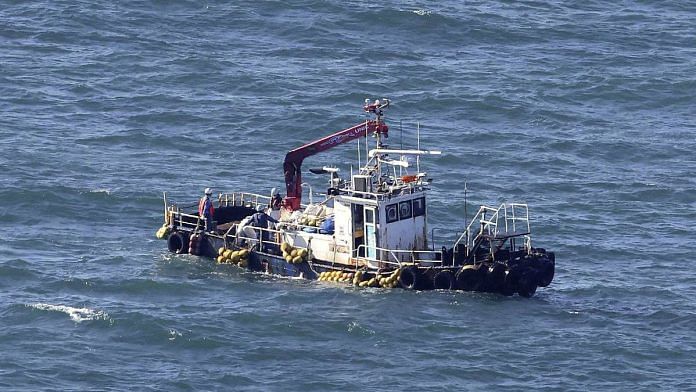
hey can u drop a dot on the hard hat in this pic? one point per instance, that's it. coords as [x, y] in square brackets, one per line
[274, 192]
[208, 191]
[260, 208]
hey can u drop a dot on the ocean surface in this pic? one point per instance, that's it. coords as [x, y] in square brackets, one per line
[585, 110]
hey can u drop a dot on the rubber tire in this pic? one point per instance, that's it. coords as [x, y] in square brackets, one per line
[444, 280]
[410, 278]
[527, 284]
[178, 242]
[495, 277]
[510, 280]
[470, 277]
[546, 273]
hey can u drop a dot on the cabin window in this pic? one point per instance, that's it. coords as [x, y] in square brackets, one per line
[392, 213]
[419, 207]
[369, 215]
[405, 209]
[357, 215]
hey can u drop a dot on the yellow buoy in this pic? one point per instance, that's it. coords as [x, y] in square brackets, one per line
[296, 259]
[162, 232]
[288, 258]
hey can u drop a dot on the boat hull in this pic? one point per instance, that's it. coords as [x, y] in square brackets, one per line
[520, 275]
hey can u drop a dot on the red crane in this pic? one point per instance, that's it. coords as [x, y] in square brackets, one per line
[292, 167]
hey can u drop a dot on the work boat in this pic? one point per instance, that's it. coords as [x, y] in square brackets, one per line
[369, 231]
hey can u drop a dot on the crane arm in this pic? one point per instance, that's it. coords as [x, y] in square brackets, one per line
[292, 166]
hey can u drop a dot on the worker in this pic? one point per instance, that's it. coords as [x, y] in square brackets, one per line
[276, 200]
[261, 220]
[206, 209]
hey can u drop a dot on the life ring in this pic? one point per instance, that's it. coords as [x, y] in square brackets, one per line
[410, 278]
[444, 280]
[470, 277]
[177, 242]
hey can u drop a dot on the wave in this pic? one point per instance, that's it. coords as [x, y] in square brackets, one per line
[77, 315]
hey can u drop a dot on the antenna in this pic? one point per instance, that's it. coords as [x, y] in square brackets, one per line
[401, 135]
[418, 156]
[466, 218]
[367, 146]
[358, 152]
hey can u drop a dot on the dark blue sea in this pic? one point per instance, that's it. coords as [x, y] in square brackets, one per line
[584, 110]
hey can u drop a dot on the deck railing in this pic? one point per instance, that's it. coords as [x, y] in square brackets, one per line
[397, 257]
[513, 217]
[243, 199]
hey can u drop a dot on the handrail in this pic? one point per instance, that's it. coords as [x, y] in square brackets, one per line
[239, 198]
[411, 188]
[394, 253]
[491, 225]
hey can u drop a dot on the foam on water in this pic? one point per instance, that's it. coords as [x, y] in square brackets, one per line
[77, 315]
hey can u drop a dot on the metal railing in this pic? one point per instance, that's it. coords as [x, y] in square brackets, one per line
[176, 216]
[242, 199]
[511, 219]
[396, 257]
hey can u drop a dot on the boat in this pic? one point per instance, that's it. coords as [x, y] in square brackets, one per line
[370, 230]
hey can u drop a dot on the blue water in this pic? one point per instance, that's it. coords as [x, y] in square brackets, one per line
[583, 110]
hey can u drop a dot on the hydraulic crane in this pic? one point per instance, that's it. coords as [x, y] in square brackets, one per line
[292, 166]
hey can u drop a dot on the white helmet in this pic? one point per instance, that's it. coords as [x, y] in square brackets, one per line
[208, 191]
[260, 208]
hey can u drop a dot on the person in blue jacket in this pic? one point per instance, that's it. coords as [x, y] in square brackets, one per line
[262, 220]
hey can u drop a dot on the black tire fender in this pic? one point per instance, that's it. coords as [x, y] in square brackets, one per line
[495, 277]
[444, 280]
[527, 284]
[178, 242]
[546, 273]
[410, 278]
[470, 277]
[510, 280]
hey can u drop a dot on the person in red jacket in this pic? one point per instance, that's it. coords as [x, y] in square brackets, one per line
[206, 209]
